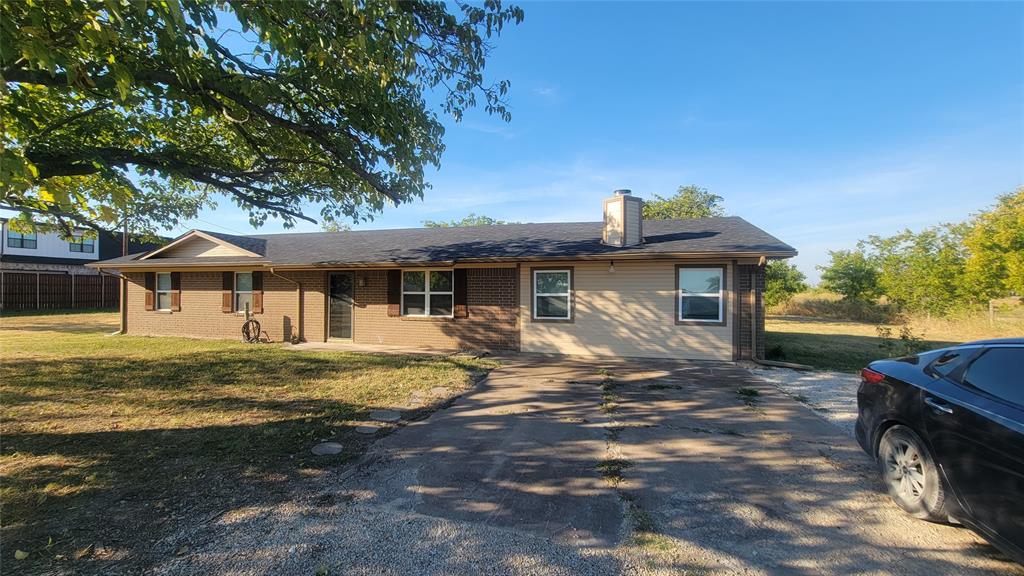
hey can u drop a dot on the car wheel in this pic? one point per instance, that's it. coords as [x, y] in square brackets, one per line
[910, 474]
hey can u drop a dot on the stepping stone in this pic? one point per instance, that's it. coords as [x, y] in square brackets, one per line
[440, 391]
[367, 429]
[327, 448]
[385, 415]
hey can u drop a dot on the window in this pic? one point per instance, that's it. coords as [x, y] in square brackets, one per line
[243, 291]
[163, 291]
[427, 293]
[552, 294]
[16, 240]
[700, 294]
[80, 244]
[946, 363]
[997, 373]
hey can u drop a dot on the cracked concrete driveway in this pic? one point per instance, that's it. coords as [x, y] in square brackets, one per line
[560, 466]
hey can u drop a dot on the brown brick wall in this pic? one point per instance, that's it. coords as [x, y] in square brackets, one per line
[743, 286]
[492, 323]
[201, 316]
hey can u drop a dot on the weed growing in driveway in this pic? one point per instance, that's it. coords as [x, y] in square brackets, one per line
[611, 470]
[749, 396]
[644, 532]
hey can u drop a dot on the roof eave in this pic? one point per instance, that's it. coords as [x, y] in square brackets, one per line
[263, 263]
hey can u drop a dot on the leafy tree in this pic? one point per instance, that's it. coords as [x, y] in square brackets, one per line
[923, 271]
[688, 202]
[995, 246]
[470, 220]
[334, 226]
[851, 274]
[277, 105]
[782, 281]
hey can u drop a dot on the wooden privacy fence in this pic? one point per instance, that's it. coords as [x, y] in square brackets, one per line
[49, 291]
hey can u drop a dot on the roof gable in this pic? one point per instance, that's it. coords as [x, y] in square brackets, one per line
[199, 244]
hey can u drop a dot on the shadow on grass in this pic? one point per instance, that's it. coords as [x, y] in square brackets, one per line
[840, 352]
[226, 429]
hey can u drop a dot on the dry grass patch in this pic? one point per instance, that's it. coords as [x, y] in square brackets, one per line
[116, 439]
[849, 346]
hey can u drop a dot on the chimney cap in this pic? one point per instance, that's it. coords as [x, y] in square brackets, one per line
[623, 192]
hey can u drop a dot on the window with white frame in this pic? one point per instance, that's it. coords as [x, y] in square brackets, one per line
[82, 244]
[552, 294]
[163, 291]
[700, 294]
[427, 293]
[17, 240]
[243, 291]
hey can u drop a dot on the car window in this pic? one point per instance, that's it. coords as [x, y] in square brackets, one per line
[946, 363]
[998, 372]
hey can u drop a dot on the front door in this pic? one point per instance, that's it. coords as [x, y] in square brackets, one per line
[339, 316]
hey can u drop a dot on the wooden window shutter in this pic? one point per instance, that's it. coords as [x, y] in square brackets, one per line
[394, 292]
[461, 293]
[227, 294]
[257, 292]
[150, 290]
[176, 291]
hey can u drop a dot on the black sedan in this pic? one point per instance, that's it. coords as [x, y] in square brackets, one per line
[947, 430]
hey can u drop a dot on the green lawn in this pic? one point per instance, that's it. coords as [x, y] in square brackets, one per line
[849, 346]
[110, 443]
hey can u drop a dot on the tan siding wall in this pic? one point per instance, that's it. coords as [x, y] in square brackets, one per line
[201, 316]
[613, 222]
[631, 223]
[630, 312]
[199, 248]
[492, 321]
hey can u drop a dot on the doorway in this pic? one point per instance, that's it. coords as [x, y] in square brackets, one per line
[340, 302]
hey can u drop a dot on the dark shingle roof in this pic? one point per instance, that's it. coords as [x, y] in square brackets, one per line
[725, 235]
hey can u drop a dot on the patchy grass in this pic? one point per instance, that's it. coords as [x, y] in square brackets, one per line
[644, 533]
[749, 396]
[848, 346]
[111, 443]
[611, 470]
[663, 387]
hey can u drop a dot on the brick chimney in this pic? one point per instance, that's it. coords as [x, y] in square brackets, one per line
[623, 219]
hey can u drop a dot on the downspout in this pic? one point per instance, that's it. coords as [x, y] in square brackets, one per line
[753, 332]
[298, 305]
[123, 300]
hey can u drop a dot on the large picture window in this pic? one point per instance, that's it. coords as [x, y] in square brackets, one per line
[427, 293]
[552, 294]
[700, 294]
[163, 291]
[16, 240]
[243, 291]
[80, 244]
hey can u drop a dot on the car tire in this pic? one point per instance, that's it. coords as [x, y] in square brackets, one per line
[910, 474]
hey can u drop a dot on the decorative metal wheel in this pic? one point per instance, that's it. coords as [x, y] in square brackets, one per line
[251, 331]
[905, 470]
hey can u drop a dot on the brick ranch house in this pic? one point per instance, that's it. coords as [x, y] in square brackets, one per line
[688, 289]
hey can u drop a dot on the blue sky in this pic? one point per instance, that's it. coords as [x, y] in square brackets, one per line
[820, 122]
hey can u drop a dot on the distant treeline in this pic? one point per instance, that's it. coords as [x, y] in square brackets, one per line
[939, 270]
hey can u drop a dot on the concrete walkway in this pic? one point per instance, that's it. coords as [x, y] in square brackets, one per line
[706, 468]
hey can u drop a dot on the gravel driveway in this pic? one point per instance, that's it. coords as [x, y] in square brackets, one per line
[558, 466]
[833, 395]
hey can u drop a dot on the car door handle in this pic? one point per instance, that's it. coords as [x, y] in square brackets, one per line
[938, 405]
